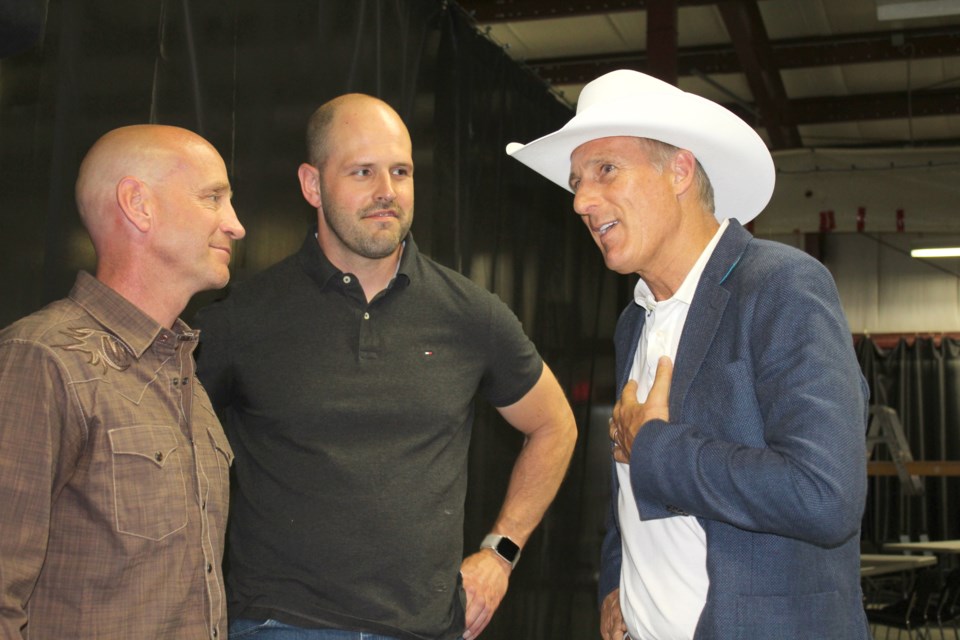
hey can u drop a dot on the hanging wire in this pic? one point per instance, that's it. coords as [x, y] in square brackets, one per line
[194, 67]
[233, 97]
[928, 164]
[933, 265]
[161, 55]
[909, 49]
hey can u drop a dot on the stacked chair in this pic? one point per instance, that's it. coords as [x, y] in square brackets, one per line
[933, 601]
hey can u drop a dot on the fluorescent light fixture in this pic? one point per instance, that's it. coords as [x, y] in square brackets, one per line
[936, 252]
[909, 9]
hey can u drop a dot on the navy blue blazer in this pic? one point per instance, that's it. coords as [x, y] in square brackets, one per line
[765, 446]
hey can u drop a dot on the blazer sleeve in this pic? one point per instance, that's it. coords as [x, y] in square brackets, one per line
[610, 554]
[770, 436]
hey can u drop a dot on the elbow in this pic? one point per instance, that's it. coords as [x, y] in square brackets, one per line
[833, 519]
[569, 435]
[836, 531]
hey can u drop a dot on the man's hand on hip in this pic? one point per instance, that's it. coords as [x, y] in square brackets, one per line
[485, 580]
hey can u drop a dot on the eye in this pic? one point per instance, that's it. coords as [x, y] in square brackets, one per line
[606, 168]
[402, 171]
[574, 184]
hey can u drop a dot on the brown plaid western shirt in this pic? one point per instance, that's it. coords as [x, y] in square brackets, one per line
[113, 477]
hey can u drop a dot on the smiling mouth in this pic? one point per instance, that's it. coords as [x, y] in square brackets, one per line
[379, 215]
[606, 227]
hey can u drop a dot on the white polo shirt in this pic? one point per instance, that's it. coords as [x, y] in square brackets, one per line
[663, 578]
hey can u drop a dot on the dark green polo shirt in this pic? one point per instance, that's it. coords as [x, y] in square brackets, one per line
[350, 423]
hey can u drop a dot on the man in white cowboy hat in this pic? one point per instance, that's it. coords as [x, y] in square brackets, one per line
[740, 478]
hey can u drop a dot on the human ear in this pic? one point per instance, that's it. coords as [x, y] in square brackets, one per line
[133, 198]
[683, 166]
[310, 184]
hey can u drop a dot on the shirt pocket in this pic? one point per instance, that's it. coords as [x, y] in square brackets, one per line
[148, 481]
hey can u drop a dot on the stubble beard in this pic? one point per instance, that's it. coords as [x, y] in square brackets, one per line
[374, 246]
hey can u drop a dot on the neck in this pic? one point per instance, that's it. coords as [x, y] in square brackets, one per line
[158, 303]
[692, 237]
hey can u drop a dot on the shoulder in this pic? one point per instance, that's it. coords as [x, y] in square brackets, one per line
[778, 264]
[452, 287]
[272, 281]
[776, 285]
[772, 251]
[253, 295]
[43, 326]
[60, 337]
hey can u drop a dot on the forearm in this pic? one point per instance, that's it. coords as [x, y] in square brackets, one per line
[536, 476]
[772, 490]
[771, 435]
[534, 481]
[546, 419]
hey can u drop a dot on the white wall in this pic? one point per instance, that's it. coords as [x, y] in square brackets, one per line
[883, 289]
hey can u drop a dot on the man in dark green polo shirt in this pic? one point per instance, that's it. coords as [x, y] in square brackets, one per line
[345, 377]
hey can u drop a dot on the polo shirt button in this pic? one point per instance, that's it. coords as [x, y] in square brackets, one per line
[366, 315]
[214, 633]
[346, 279]
[209, 568]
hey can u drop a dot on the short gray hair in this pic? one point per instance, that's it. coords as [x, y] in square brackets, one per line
[660, 153]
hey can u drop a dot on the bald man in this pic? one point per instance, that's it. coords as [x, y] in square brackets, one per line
[113, 466]
[346, 377]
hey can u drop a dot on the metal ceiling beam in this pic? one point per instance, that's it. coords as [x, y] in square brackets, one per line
[491, 11]
[749, 36]
[662, 45]
[873, 106]
[795, 53]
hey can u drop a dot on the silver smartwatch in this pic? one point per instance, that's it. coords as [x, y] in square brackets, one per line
[503, 547]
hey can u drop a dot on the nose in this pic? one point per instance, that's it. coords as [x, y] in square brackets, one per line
[385, 189]
[584, 200]
[230, 224]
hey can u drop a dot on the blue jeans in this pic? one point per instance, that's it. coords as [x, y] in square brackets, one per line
[273, 630]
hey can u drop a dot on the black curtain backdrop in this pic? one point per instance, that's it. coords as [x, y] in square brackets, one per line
[246, 75]
[919, 379]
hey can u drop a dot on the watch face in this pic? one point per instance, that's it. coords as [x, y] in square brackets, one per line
[508, 549]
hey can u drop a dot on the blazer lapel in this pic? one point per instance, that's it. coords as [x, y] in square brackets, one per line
[634, 317]
[706, 311]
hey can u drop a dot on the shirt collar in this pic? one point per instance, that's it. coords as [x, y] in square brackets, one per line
[644, 297]
[121, 317]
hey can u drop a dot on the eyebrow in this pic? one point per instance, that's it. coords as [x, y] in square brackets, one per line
[591, 162]
[219, 186]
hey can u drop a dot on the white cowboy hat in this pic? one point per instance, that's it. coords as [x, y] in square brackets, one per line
[630, 103]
